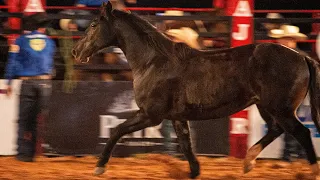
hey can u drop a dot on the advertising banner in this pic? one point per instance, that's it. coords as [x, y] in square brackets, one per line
[8, 118]
[80, 123]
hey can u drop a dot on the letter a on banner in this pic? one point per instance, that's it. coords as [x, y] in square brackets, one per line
[34, 6]
[242, 9]
[242, 25]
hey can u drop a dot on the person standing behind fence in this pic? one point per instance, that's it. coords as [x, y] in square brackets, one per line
[31, 60]
[288, 35]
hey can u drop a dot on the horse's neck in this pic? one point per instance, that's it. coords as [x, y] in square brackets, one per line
[138, 52]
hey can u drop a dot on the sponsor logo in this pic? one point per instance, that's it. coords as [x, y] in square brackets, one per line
[242, 10]
[239, 126]
[37, 44]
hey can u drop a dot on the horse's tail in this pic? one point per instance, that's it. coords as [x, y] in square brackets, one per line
[314, 90]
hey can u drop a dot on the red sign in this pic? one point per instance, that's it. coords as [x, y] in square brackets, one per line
[239, 126]
[242, 21]
[242, 34]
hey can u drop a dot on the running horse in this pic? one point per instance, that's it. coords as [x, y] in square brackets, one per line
[174, 81]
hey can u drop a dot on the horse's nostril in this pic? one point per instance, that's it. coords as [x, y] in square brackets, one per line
[74, 53]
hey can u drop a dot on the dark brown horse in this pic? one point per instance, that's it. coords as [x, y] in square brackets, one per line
[174, 81]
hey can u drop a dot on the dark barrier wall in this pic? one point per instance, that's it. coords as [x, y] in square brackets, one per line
[80, 122]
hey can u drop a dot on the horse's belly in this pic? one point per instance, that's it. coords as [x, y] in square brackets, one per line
[198, 112]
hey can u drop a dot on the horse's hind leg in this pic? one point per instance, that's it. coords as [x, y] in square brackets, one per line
[290, 123]
[140, 121]
[183, 133]
[274, 131]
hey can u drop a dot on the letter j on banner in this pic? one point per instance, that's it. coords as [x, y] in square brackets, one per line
[242, 21]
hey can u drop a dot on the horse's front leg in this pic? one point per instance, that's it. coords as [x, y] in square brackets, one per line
[183, 133]
[139, 122]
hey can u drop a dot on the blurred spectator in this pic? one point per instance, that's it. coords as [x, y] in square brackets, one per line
[118, 4]
[184, 35]
[83, 23]
[174, 24]
[179, 31]
[65, 46]
[68, 25]
[270, 26]
[217, 27]
[112, 56]
[4, 48]
[288, 35]
[31, 60]
[115, 56]
[90, 3]
[166, 130]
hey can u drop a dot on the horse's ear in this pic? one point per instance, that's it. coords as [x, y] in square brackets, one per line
[109, 7]
[106, 9]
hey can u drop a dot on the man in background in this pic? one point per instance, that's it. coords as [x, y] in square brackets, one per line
[288, 35]
[31, 60]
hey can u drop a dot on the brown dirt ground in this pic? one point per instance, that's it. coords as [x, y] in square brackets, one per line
[149, 166]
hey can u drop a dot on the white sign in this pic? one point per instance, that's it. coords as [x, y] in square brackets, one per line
[239, 126]
[8, 118]
[34, 6]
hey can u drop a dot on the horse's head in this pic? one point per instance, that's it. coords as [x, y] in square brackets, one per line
[99, 35]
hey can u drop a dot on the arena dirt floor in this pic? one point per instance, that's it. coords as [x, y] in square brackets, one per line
[150, 166]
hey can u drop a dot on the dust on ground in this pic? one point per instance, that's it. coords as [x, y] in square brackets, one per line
[148, 166]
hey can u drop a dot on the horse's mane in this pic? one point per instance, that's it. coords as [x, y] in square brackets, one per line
[154, 38]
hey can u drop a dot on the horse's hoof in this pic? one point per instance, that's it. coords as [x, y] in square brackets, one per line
[193, 175]
[251, 156]
[98, 171]
[195, 170]
[248, 166]
[315, 169]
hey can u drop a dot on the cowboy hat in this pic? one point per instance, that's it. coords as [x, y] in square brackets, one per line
[35, 21]
[287, 31]
[171, 13]
[270, 26]
[185, 35]
[274, 16]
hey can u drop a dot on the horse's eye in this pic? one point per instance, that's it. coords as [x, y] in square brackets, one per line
[93, 25]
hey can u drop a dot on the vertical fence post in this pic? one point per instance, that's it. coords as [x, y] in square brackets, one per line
[241, 34]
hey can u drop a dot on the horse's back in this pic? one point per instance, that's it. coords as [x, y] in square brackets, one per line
[219, 73]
